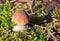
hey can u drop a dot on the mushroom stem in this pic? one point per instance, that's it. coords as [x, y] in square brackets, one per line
[20, 28]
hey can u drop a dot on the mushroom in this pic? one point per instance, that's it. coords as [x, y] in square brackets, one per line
[21, 19]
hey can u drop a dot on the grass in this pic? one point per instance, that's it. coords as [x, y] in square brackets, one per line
[35, 33]
[6, 25]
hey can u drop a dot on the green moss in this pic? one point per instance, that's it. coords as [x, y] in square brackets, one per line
[6, 24]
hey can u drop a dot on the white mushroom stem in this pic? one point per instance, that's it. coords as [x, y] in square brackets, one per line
[20, 28]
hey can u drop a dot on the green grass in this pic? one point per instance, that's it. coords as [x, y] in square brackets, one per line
[6, 25]
[35, 33]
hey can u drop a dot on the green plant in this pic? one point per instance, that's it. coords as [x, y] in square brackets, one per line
[6, 25]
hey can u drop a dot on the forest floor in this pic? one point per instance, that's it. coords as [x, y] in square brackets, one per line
[44, 23]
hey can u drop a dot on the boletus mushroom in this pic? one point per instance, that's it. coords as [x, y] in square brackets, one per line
[21, 19]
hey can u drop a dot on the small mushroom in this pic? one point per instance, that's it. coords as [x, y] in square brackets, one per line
[21, 19]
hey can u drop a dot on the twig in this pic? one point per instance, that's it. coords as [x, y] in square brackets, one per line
[49, 33]
[48, 36]
[52, 35]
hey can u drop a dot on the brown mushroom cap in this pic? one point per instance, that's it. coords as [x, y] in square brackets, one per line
[20, 17]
